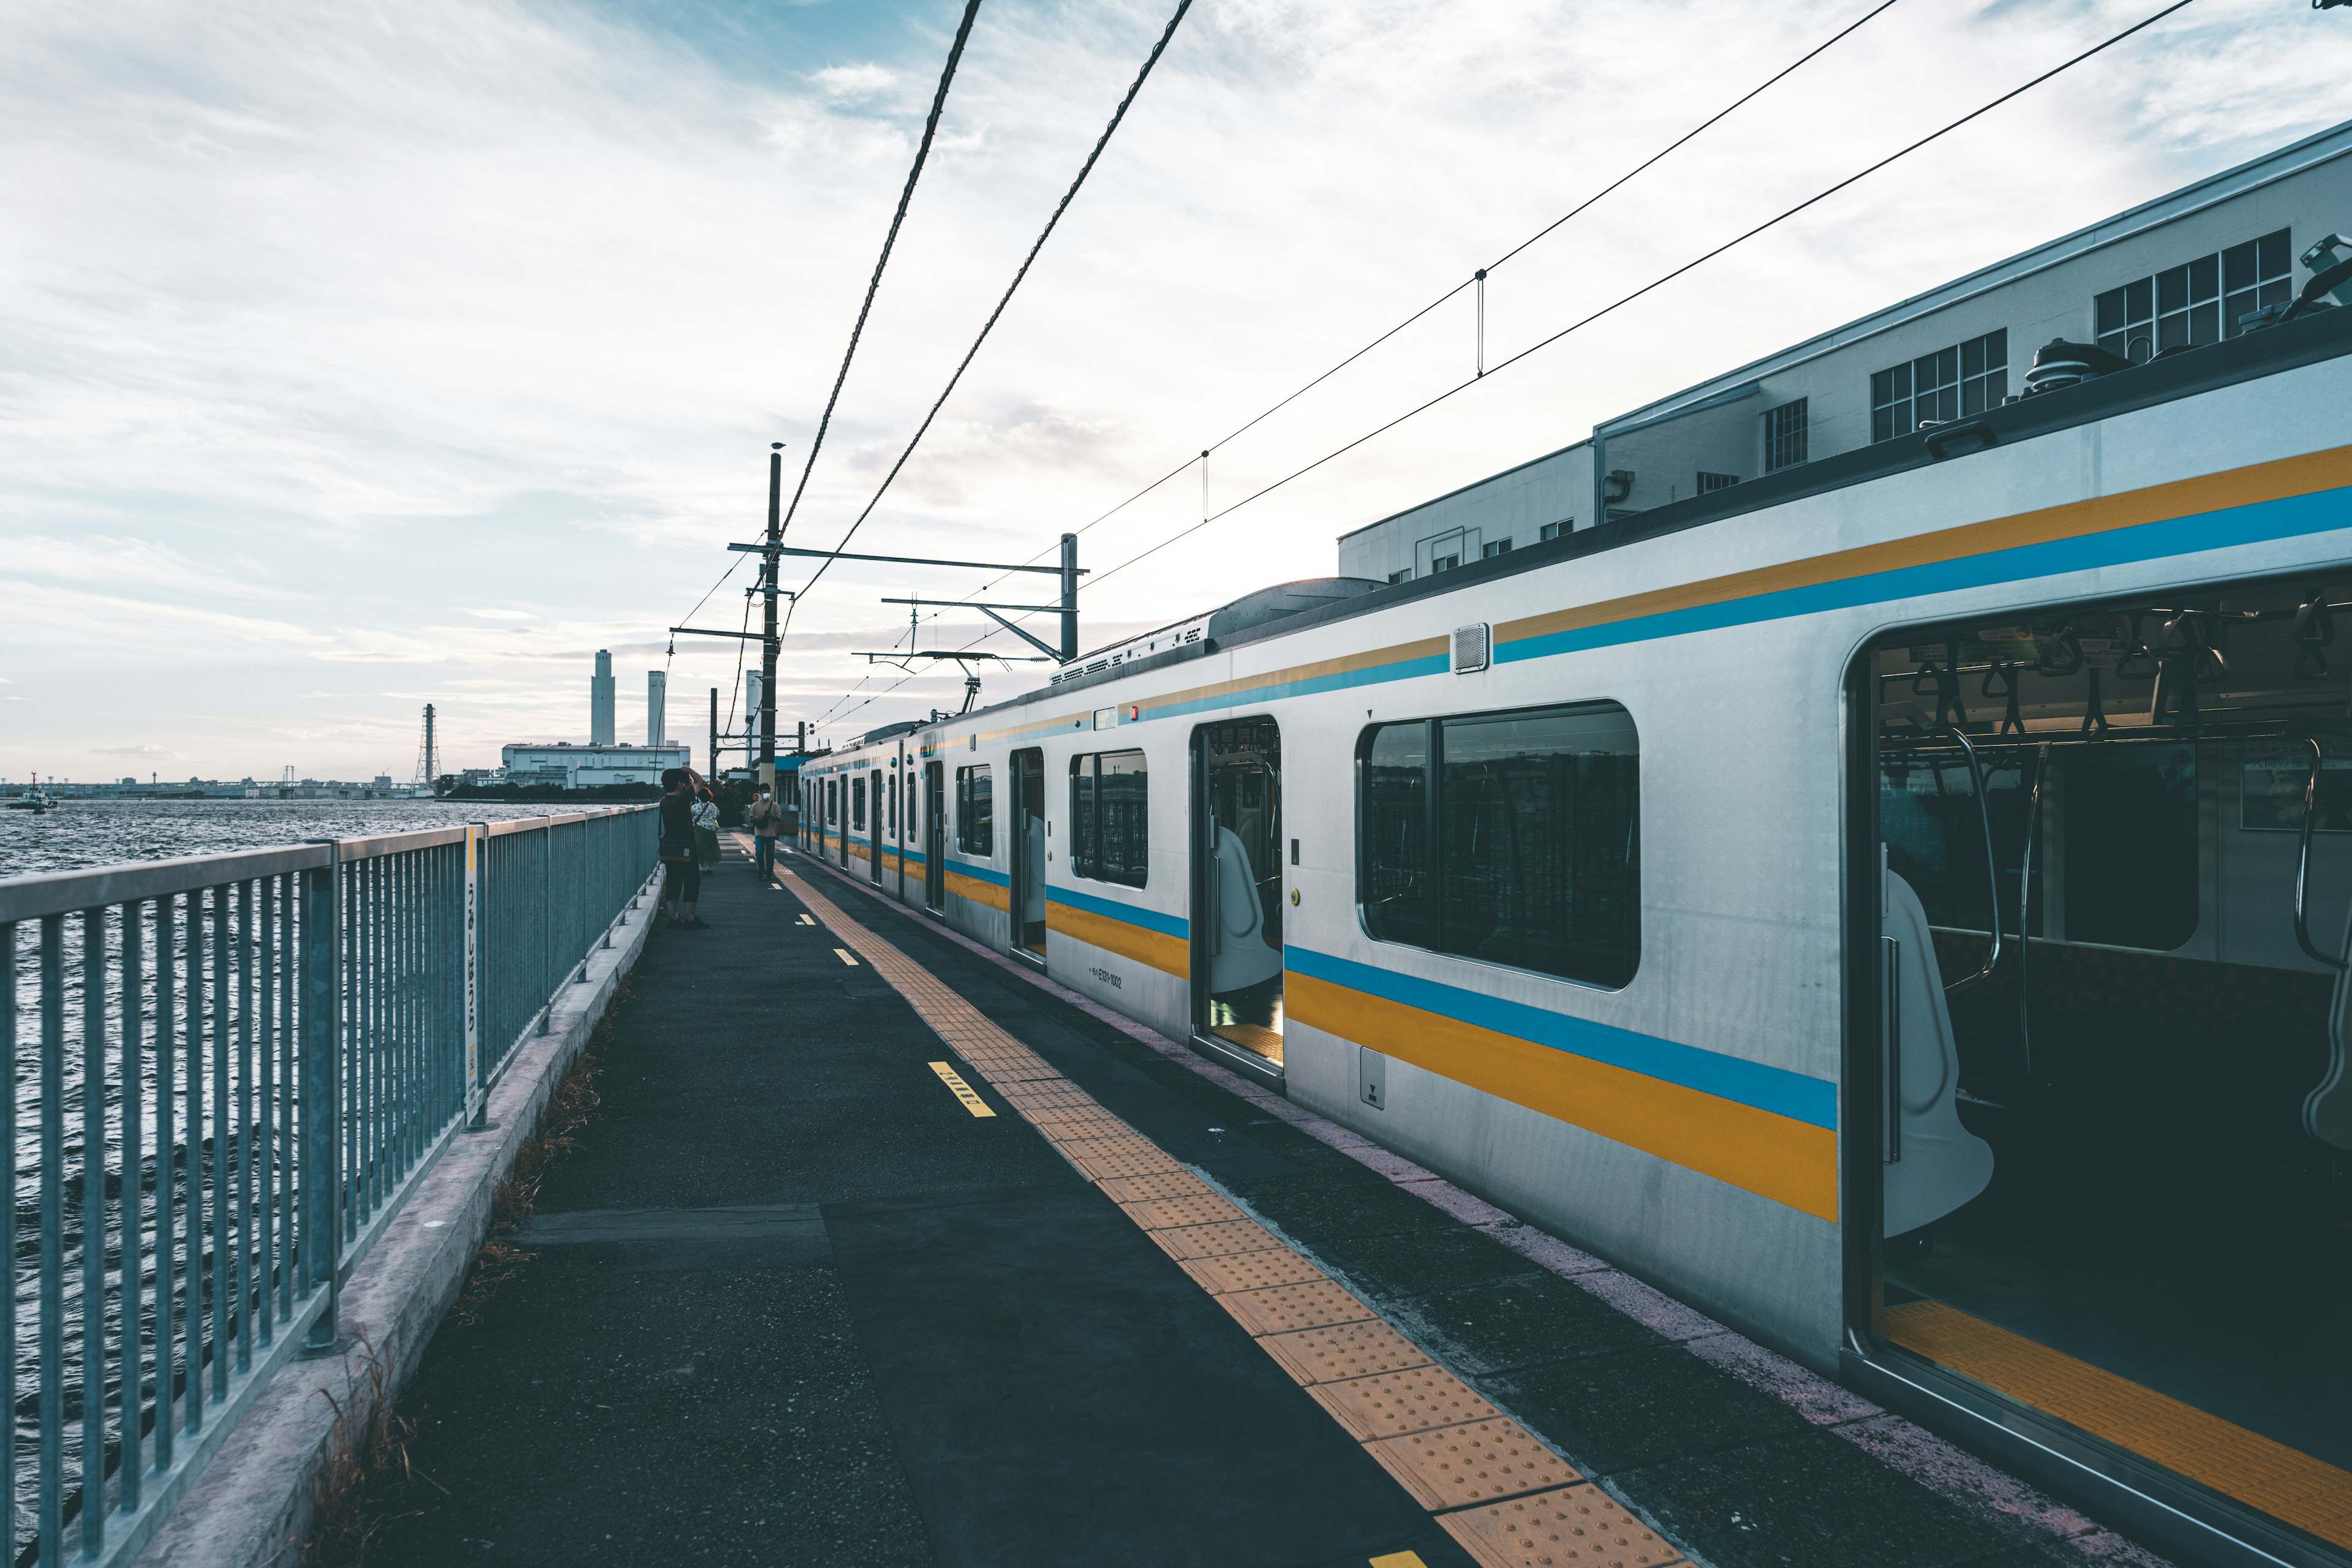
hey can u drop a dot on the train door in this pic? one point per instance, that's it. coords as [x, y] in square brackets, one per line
[935, 837]
[885, 784]
[1237, 887]
[902, 828]
[2110, 859]
[1028, 858]
[831, 818]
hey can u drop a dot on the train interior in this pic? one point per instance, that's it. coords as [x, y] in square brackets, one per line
[2115, 869]
[1238, 948]
[1029, 848]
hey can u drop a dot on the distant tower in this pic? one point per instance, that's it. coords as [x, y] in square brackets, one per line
[656, 702]
[427, 762]
[600, 701]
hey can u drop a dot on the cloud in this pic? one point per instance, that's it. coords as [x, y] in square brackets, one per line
[842, 83]
[337, 334]
[157, 753]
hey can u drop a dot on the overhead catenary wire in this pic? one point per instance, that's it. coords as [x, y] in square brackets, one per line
[1479, 274]
[988, 326]
[1100, 577]
[1359, 353]
[1660, 281]
[873, 284]
[898, 220]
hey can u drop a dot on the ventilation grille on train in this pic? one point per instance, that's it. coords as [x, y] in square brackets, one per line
[1470, 650]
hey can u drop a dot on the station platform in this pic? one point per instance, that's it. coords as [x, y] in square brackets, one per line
[883, 1249]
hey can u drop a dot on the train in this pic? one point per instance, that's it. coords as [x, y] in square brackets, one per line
[1899, 905]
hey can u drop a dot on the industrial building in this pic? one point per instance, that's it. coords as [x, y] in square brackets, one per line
[566, 764]
[584, 767]
[600, 732]
[2174, 273]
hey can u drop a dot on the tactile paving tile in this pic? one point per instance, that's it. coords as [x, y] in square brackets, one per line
[1214, 1240]
[1579, 1527]
[1349, 1350]
[1458, 1467]
[1249, 1270]
[1402, 1402]
[1168, 1213]
[1424, 1423]
[1118, 1160]
[1284, 1308]
[1070, 1125]
[1016, 1071]
[1144, 1189]
[1045, 1097]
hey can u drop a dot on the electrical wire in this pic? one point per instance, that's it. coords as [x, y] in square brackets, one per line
[988, 326]
[1647, 164]
[1660, 281]
[1098, 578]
[1300, 392]
[922, 153]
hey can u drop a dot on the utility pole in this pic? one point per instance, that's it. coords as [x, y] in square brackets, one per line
[713, 773]
[768, 646]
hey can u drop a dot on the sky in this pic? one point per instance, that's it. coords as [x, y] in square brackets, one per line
[358, 356]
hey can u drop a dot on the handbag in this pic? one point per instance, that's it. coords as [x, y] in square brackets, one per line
[706, 835]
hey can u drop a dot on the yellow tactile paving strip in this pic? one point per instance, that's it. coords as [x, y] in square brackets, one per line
[2310, 1493]
[1511, 1501]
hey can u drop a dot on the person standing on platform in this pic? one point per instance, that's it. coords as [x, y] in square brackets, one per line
[765, 819]
[681, 873]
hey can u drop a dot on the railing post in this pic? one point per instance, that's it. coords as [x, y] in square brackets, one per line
[478, 851]
[547, 928]
[322, 1065]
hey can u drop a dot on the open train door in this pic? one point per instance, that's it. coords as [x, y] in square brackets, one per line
[935, 837]
[1237, 962]
[1028, 878]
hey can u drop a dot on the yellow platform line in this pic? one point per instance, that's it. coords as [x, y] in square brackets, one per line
[962, 1090]
[1490, 1483]
[2308, 1493]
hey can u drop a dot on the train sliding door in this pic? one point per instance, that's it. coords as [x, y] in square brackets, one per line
[1029, 853]
[2112, 867]
[935, 837]
[1237, 888]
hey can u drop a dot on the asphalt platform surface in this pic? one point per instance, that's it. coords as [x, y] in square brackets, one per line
[789, 1303]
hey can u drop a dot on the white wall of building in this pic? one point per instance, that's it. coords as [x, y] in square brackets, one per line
[584, 766]
[1718, 427]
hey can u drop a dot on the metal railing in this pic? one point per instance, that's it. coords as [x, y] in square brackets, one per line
[227, 1074]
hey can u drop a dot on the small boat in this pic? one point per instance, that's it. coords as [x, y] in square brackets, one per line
[36, 800]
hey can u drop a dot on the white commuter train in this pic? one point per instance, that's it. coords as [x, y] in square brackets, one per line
[1898, 905]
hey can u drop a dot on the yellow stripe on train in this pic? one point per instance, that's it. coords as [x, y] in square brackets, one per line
[978, 891]
[1169, 955]
[1790, 1162]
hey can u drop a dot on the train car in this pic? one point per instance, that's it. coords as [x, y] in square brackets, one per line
[1899, 905]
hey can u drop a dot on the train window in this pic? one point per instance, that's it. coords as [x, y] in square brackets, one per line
[1510, 837]
[856, 804]
[975, 834]
[1110, 818]
[833, 801]
[1395, 872]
